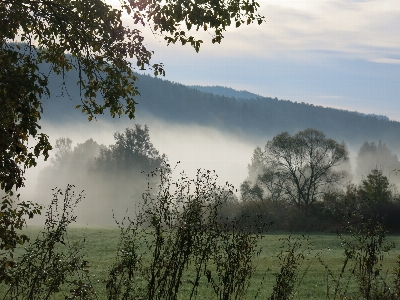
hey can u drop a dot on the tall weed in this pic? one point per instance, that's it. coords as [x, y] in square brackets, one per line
[179, 229]
[51, 264]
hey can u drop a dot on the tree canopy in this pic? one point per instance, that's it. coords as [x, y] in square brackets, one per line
[87, 36]
[299, 168]
[375, 188]
[132, 151]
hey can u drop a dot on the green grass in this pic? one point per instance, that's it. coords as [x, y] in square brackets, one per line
[100, 248]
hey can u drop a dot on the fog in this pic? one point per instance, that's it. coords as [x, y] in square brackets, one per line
[192, 146]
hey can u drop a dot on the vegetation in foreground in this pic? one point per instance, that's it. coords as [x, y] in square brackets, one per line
[180, 247]
[99, 249]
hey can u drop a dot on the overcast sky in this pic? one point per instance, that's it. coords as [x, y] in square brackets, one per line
[337, 53]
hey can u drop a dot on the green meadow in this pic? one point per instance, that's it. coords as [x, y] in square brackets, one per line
[320, 261]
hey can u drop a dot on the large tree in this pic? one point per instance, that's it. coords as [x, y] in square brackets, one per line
[87, 36]
[299, 168]
[132, 151]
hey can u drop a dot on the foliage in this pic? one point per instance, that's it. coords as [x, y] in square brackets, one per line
[256, 167]
[50, 263]
[113, 177]
[290, 259]
[171, 16]
[87, 36]
[251, 191]
[299, 168]
[132, 150]
[63, 151]
[179, 227]
[374, 198]
[12, 219]
[70, 164]
[364, 251]
[375, 188]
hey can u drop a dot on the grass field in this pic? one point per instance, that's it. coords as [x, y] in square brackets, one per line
[100, 249]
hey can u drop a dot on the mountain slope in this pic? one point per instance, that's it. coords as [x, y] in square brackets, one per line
[259, 117]
[225, 91]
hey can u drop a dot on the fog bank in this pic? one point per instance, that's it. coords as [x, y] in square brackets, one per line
[192, 146]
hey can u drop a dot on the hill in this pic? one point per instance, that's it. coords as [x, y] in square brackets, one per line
[257, 117]
[225, 91]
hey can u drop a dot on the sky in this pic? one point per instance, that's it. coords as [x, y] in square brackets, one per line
[334, 53]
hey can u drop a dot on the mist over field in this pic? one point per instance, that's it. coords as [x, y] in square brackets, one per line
[194, 147]
[212, 128]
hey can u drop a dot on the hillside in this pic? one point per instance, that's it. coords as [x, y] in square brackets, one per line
[225, 91]
[257, 117]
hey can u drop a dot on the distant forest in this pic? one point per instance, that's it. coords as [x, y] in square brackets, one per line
[250, 114]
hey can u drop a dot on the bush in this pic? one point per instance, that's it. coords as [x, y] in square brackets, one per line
[51, 264]
[179, 228]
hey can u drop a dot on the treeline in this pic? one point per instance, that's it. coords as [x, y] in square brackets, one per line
[114, 177]
[192, 233]
[303, 183]
[374, 198]
[259, 117]
[300, 182]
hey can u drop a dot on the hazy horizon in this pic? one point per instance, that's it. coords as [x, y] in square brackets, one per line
[343, 54]
[193, 146]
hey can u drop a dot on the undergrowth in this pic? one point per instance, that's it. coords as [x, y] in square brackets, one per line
[178, 242]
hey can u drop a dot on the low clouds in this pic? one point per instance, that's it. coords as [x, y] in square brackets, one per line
[367, 29]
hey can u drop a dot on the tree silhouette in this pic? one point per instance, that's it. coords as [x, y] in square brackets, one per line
[300, 168]
[132, 151]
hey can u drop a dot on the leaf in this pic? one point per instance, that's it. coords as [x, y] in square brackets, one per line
[9, 264]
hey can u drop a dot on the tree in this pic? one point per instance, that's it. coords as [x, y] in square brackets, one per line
[375, 156]
[120, 174]
[69, 164]
[375, 188]
[299, 168]
[63, 150]
[255, 168]
[251, 191]
[87, 36]
[113, 177]
[132, 151]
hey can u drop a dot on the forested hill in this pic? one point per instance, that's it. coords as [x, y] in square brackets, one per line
[225, 91]
[257, 117]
